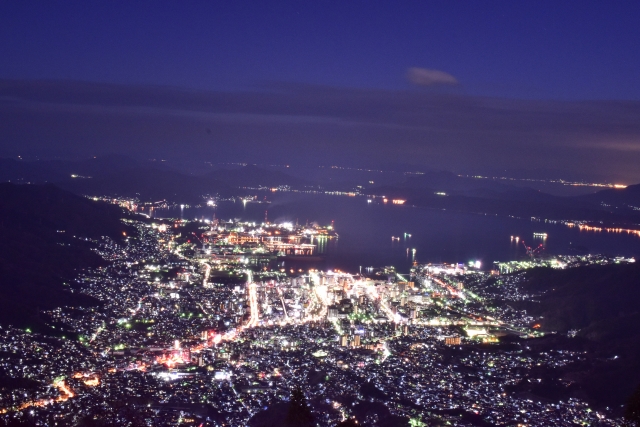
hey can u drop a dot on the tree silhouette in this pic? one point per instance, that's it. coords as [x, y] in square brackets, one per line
[351, 422]
[632, 410]
[18, 423]
[118, 413]
[299, 414]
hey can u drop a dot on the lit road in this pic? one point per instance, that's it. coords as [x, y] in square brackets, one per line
[372, 293]
[254, 318]
[284, 307]
[318, 303]
[207, 273]
[454, 292]
[97, 332]
[205, 280]
[65, 394]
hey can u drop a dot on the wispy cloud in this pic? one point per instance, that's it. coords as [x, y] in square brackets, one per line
[427, 77]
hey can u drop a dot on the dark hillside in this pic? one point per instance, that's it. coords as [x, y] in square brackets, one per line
[582, 297]
[42, 171]
[39, 251]
[253, 176]
[621, 197]
[150, 185]
[601, 303]
[524, 204]
[148, 181]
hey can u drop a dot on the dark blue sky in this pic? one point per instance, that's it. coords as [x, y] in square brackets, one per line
[544, 50]
[459, 85]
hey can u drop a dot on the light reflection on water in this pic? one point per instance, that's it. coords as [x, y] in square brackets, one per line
[424, 235]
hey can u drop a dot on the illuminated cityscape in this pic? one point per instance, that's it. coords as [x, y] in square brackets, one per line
[319, 214]
[205, 329]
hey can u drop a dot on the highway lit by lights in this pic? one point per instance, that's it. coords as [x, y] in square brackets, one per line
[207, 273]
[453, 291]
[320, 301]
[65, 394]
[254, 317]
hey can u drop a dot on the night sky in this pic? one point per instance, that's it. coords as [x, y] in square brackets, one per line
[458, 85]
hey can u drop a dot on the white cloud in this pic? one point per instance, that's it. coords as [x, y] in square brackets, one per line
[426, 77]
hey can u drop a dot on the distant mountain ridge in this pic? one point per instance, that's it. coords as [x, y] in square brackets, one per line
[620, 197]
[155, 181]
[253, 176]
[150, 185]
[445, 190]
[150, 180]
[41, 171]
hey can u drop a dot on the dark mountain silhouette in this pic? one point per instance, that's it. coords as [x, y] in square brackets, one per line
[618, 197]
[444, 190]
[41, 171]
[149, 181]
[150, 185]
[253, 176]
[601, 303]
[33, 172]
[585, 297]
[523, 203]
[154, 181]
[632, 410]
[448, 181]
[39, 230]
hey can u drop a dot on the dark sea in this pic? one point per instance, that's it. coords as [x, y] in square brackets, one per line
[427, 236]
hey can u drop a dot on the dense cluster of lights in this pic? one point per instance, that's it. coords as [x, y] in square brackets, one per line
[183, 327]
